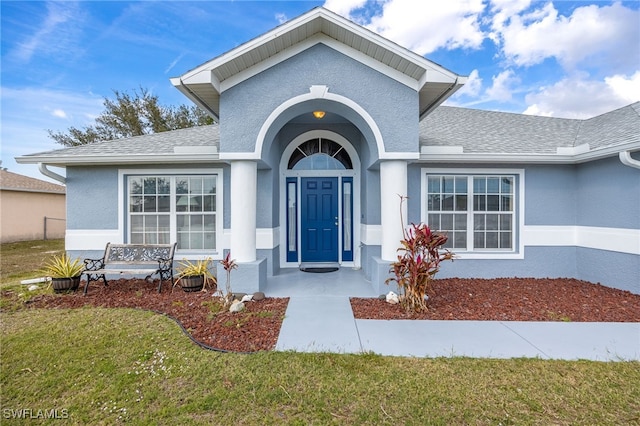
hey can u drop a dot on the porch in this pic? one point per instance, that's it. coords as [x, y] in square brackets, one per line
[343, 282]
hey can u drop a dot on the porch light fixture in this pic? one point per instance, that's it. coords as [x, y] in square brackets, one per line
[318, 114]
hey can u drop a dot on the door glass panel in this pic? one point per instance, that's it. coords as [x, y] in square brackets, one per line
[346, 224]
[292, 215]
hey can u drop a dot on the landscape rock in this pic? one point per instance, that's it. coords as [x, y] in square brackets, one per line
[392, 298]
[258, 295]
[236, 306]
[382, 297]
[247, 298]
[239, 296]
[33, 287]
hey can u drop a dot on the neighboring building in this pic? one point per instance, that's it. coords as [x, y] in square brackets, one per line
[322, 125]
[30, 207]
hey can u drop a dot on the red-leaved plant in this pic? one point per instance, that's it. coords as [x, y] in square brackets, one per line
[418, 261]
[228, 264]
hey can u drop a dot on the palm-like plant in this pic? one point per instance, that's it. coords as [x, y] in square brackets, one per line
[63, 267]
[197, 268]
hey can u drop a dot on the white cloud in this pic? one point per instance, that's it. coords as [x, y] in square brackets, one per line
[28, 113]
[472, 87]
[59, 113]
[427, 26]
[607, 33]
[344, 7]
[579, 97]
[56, 35]
[502, 88]
[625, 88]
[281, 18]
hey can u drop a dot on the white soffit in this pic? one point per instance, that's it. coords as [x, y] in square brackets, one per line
[204, 83]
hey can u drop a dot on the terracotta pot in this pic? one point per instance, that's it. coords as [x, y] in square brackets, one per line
[64, 285]
[190, 284]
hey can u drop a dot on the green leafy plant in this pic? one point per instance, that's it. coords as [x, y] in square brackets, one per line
[63, 266]
[196, 268]
[418, 261]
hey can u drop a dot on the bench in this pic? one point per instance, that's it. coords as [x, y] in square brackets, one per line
[132, 259]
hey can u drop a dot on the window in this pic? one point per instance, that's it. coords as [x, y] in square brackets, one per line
[319, 154]
[477, 212]
[166, 209]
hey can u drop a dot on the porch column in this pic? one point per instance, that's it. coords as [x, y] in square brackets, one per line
[393, 182]
[243, 210]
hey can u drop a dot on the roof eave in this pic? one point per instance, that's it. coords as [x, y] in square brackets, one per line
[455, 86]
[97, 160]
[206, 73]
[501, 158]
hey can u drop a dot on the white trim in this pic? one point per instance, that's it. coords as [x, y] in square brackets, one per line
[267, 238]
[622, 240]
[318, 92]
[204, 73]
[91, 239]
[433, 155]
[518, 252]
[354, 173]
[371, 235]
[122, 213]
[331, 43]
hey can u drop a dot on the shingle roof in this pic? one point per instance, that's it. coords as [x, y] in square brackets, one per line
[14, 182]
[478, 131]
[474, 132]
[609, 129]
[153, 144]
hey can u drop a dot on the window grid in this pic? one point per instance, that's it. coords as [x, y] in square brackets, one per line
[189, 200]
[490, 216]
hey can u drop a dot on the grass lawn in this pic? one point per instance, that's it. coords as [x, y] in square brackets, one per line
[105, 366]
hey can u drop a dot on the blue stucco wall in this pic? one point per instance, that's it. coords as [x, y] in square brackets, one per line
[617, 270]
[602, 193]
[551, 195]
[92, 198]
[608, 194]
[246, 106]
[539, 262]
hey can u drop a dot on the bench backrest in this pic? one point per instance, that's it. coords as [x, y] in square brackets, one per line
[138, 253]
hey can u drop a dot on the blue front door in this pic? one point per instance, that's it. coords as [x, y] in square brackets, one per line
[319, 224]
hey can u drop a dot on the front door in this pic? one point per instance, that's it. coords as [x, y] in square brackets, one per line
[319, 224]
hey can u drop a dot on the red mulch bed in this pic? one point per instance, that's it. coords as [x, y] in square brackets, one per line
[514, 299]
[255, 329]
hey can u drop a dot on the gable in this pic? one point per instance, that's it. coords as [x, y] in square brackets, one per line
[246, 106]
[204, 84]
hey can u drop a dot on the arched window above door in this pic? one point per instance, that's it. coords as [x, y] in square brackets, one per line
[319, 154]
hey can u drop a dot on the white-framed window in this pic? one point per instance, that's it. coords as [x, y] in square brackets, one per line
[185, 208]
[479, 209]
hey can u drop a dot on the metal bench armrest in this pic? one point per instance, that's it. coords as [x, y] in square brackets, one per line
[93, 264]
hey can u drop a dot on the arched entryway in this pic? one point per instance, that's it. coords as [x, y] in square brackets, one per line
[320, 201]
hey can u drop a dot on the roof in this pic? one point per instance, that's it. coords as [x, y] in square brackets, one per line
[204, 84]
[14, 182]
[183, 146]
[455, 134]
[449, 134]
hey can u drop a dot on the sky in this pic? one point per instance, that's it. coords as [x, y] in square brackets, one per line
[60, 59]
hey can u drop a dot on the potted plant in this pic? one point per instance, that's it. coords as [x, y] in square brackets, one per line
[64, 272]
[194, 276]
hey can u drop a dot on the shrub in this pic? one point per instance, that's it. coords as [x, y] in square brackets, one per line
[418, 261]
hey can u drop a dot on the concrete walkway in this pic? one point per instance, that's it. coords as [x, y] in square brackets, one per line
[319, 319]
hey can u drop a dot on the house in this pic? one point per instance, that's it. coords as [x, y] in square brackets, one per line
[32, 209]
[322, 125]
